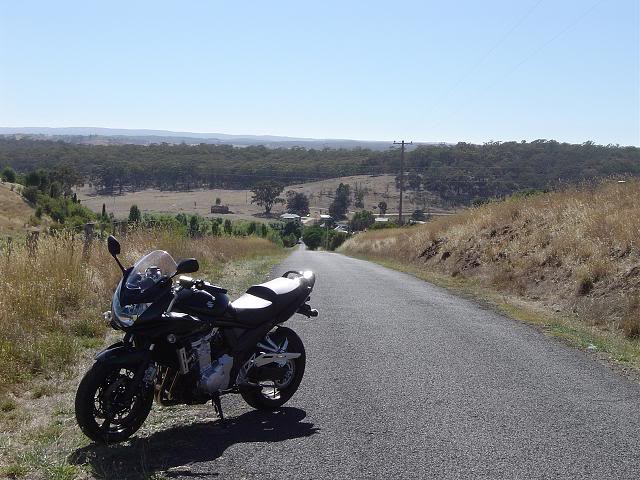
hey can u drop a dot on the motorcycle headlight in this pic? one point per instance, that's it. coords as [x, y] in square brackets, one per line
[125, 315]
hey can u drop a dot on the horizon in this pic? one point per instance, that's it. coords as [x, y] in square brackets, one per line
[500, 71]
[283, 138]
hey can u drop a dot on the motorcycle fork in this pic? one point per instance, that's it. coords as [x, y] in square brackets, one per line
[137, 377]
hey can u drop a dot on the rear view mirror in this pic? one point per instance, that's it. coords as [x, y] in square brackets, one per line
[113, 245]
[188, 265]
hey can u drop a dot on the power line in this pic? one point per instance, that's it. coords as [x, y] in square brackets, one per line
[541, 47]
[500, 41]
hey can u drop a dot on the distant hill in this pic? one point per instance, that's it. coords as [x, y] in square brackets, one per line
[455, 174]
[119, 136]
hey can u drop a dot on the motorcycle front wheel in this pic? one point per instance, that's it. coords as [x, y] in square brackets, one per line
[101, 412]
[273, 394]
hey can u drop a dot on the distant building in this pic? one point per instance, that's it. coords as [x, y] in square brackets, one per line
[221, 209]
[381, 220]
[326, 221]
[290, 217]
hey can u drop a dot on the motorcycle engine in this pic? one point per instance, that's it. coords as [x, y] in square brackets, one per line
[213, 374]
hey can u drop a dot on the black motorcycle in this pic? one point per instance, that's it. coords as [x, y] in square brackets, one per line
[188, 344]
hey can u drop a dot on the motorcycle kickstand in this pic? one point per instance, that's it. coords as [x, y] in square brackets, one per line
[217, 405]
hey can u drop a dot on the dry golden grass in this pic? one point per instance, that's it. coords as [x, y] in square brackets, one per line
[15, 213]
[576, 250]
[51, 298]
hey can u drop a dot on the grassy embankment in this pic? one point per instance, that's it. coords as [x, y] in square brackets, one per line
[568, 261]
[50, 318]
[16, 215]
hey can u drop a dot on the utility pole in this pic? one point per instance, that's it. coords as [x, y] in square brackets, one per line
[402, 144]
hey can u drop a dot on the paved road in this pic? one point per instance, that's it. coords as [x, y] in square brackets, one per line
[405, 380]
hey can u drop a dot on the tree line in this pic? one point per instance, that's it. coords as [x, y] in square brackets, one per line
[457, 174]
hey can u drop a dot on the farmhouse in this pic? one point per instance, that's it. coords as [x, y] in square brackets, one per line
[290, 217]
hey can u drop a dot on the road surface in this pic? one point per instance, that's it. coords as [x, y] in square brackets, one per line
[405, 380]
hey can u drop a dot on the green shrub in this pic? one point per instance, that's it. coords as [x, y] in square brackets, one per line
[30, 194]
[274, 237]
[8, 175]
[134, 214]
[336, 239]
[313, 237]
[290, 240]
[361, 221]
[292, 228]
[383, 225]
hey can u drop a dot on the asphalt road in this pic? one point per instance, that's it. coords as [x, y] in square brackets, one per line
[405, 380]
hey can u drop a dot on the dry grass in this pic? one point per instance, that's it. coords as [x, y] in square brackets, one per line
[15, 213]
[576, 251]
[51, 298]
[39, 438]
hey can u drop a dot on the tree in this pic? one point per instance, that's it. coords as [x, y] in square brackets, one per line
[292, 228]
[298, 203]
[382, 206]
[313, 237]
[194, 225]
[359, 195]
[134, 214]
[341, 202]
[8, 175]
[30, 194]
[55, 190]
[32, 179]
[361, 221]
[104, 211]
[218, 201]
[228, 227]
[266, 193]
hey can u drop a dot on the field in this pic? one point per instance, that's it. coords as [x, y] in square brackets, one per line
[378, 188]
[572, 253]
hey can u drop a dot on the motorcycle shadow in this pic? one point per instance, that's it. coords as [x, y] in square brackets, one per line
[192, 443]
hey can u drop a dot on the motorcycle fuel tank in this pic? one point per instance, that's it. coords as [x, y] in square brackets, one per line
[204, 303]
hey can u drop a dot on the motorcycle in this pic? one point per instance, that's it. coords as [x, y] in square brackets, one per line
[186, 343]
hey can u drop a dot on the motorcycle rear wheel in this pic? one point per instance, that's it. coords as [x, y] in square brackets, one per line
[273, 397]
[99, 414]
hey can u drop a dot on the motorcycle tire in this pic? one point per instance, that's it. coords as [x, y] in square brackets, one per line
[262, 398]
[96, 393]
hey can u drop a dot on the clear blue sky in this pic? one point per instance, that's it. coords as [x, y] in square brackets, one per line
[420, 70]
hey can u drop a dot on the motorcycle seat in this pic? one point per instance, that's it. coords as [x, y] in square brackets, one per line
[251, 310]
[281, 291]
[265, 301]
